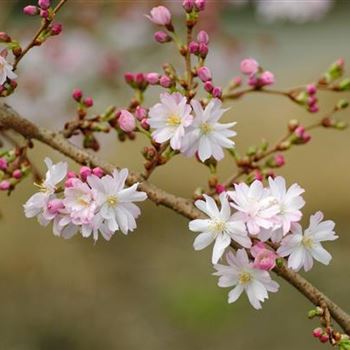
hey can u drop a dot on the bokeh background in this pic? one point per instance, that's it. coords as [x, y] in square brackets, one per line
[150, 290]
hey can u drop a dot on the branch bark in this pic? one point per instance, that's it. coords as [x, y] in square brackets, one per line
[10, 119]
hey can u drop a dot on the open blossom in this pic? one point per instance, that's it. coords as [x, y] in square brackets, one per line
[6, 71]
[241, 274]
[206, 135]
[54, 175]
[255, 205]
[170, 118]
[220, 227]
[302, 247]
[115, 201]
[289, 201]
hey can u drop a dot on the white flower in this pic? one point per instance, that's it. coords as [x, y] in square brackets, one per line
[221, 227]
[302, 248]
[170, 118]
[115, 201]
[206, 135]
[6, 71]
[54, 175]
[79, 202]
[241, 274]
[289, 202]
[255, 206]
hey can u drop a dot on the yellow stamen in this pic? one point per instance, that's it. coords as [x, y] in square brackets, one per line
[245, 277]
[206, 128]
[173, 120]
[112, 201]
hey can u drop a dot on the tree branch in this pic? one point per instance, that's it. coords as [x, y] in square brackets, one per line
[9, 119]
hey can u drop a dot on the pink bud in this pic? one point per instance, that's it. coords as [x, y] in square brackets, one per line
[126, 121]
[253, 81]
[88, 102]
[5, 185]
[165, 81]
[56, 28]
[279, 160]
[265, 259]
[44, 14]
[77, 95]
[71, 175]
[306, 137]
[152, 78]
[217, 92]
[162, 37]
[324, 338]
[314, 108]
[203, 37]
[84, 172]
[140, 113]
[204, 73]
[55, 206]
[44, 4]
[17, 174]
[203, 50]
[311, 89]
[69, 182]
[267, 78]
[188, 5]
[317, 332]
[200, 5]
[145, 124]
[193, 47]
[129, 77]
[299, 131]
[258, 175]
[139, 78]
[208, 86]
[249, 66]
[98, 172]
[219, 188]
[312, 100]
[236, 81]
[160, 15]
[3, 164]
[31, 10]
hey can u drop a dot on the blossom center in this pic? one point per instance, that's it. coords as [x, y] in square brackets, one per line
[206, 128]
[173, 120]
[83, 202]
[245, 277]
[218, 226]
[308, 242]
[112, 201]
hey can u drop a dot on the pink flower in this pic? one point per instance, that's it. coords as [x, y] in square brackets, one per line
[17, 174]
[44, 4]
[265, 259]
[160, 15]
[3, 164]
[31, 10]
[203, 37]
[152, 78]
[55, 206]
[84, 172]
[204, 73]
[249, 66]
[4, 185]
[267, 78]
[126, 121]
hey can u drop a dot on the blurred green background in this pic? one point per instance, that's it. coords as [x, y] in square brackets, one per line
[150, 290]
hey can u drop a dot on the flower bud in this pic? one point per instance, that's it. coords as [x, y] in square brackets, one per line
[258, 175]
[140, 113]
[200, 5]
[203, 37]
[313, 109]
[145, 124]
[311, 89]
[193, 47]
[344, 85]
[3, 164]
[56, 28]
[77, 95]
[88, 102]
[152, 78]
[5, 185]
[44, 4]
[84, 172]
[71, 175]
[204, 74]
[249, 66]
[324, 338]
[317, 332]
[219, 188]
[44, 14]
[55, 206]
[17, 174]
[217, 92]
[31, 10]
[126, 121]
[129, 77]
[203, 50]
[162, 37]
[279, 160]
[208, 86]
[69, 183]
[299, 131]
[188, 5]
[4, 37]
[267, 78]
[165, 81]
[98, 172]
[160, 15]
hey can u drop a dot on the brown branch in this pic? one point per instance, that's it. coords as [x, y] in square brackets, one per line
[9, 119]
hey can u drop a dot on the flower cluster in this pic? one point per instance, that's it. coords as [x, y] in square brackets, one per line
[92, 202]
[257, 76]
[202, 134]
[264, 221]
